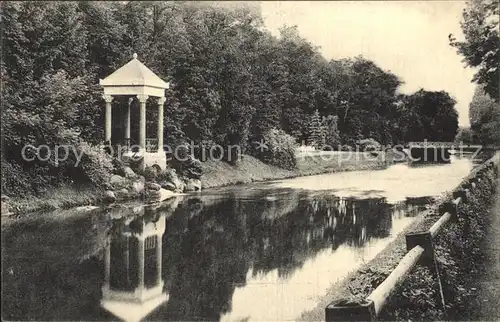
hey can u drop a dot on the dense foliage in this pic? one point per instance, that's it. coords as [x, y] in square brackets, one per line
[278, 148]
[428, 115]
[232, 82]
[315, 131]
[464, 136]
[484, 115]
[480, 25]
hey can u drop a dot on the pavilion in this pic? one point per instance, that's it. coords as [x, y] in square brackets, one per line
[133, 283]
[136, 81]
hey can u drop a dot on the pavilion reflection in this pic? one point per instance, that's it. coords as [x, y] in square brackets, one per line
[219, 245]
[133, 283]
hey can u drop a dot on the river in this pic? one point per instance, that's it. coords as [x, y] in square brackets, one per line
[265, 251]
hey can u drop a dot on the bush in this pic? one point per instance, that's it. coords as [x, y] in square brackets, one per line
[35, 178]
[347, 148]
[186, 164]
[96, 166]
[368, 144]
[168, 174]
[15, 182]
[151, 173]
[279, 149]
[193, 169]
[332, 134]
[118, 167]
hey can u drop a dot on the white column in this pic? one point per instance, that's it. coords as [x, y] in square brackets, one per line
[140, 256]
[161, 101]
[127, 119]
[107, 264]
[107, 130]
[158, 257]
[126, 255]
[142, 121]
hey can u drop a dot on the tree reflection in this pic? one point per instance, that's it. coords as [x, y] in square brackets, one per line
[211, 248]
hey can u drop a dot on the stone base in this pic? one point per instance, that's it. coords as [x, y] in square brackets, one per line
[133, 309]
[145, 159]
[158, 158]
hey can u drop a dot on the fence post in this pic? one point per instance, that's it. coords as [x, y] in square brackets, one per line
[493, 168]
[424, 239]
[466, 187]
[449, 207]
[473, 182]
[350, 311]
[460, 193]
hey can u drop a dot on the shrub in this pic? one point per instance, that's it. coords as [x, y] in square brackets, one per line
[35, 178]
[279, 149]
[193, 169]
[118, 167]
[96, 166]
[186, 164]
[29, 180]
[15, 182]
[168, 174]
[368, 144]
[151, 173]
[332, 134]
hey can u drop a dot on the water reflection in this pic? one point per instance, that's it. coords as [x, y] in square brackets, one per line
[133, 284]
[221, 253]
[256, 252]
[394, 183]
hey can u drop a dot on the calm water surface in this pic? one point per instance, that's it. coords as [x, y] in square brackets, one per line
[254, 252]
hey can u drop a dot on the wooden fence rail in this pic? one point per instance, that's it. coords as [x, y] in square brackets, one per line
[420, 251]
[381, 294]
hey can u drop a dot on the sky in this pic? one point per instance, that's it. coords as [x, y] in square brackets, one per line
[408, 38]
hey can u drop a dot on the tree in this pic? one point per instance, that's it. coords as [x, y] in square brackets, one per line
[332, 135]
[299, 63]
[232, 81]
[105, 42]
[480, 48]
[429, 116]
[49, 98]
[410, 123]
[464, 136]
[484, 115]
[366, 97]
[316, 131]
[49, 91]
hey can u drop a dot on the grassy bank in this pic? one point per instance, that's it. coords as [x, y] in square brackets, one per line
[460, 256]
[250, 169]
[486, 306]
[457, 250]
[215, 174]
[63, 197]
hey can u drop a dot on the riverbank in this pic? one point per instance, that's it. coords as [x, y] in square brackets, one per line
[64, 197]
[458, 255]
[215, 174]
[250, 169]
[486, 306]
